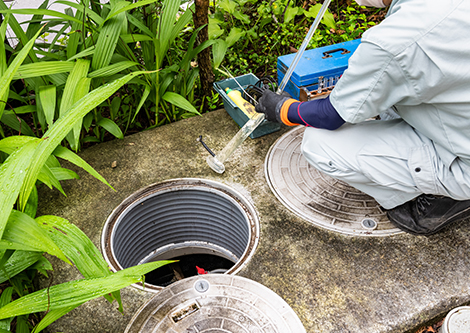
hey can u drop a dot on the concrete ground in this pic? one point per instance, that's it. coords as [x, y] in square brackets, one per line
[334, 283]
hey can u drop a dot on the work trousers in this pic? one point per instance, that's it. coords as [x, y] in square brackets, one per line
[388, 160]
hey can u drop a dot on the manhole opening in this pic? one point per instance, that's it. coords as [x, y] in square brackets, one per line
[198, 222]
[189, 265]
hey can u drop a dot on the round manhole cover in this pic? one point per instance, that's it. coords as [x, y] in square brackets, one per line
[215, 303]
[318, 198]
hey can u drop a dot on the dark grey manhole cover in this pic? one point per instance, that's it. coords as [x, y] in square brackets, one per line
[318, 198]
[215, 304]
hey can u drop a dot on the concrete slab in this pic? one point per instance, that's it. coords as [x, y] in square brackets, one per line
[334, 283]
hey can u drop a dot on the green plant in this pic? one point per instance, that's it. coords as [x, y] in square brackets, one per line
[267, 28]
[105, 42]
[170, 90]
[24, 237]
[352, 24]
[213, 101]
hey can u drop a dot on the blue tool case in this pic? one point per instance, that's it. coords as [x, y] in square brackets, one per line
[317, 71]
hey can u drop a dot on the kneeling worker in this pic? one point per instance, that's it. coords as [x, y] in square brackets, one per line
[417, 167]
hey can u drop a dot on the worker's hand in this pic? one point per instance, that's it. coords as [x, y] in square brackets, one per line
[270, 104]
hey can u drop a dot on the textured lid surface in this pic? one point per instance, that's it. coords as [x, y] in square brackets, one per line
[215, 303]
[324, 201]
[458, 321]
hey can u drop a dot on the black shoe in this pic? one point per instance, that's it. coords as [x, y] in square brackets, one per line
[427, 214]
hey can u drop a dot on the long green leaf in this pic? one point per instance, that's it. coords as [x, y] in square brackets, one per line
[43, 68]
[19, 32]
[21, 109]
[75, 89]
[85, 53]
[3, 62]
[328, 19]
[79, 248]
[48, 177]
[79, 7]
[18, 262]
[12, 143]
[132, 38]
[234, 35]
[107, 41]
[142, 100]
[7, 245]
[16, 123]
[140, 25]
[111, 127]
[179, 101]
[165, 28]
[79, 71]
[5, 298]
[64, 174]
[22, 229]
[183, 20]
[218, 52]
[76, 246]
[12, 174]
[77, 31]
[47, 98]
[62, 126]
[42, 266]
[10, 72]
[112, 69]
[3, 58]
[52, 316]
[32, 204]
[73, 293]
[129, 7]
[22, 324]
[70, 156]
[35, 22]
[32, 11]
[82, 89]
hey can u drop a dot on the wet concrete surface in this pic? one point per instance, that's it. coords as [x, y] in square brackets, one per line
[334, 283]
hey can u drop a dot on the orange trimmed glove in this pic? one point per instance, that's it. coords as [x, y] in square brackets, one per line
[275, 106]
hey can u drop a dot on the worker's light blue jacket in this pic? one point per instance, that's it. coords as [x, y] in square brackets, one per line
[417, 61]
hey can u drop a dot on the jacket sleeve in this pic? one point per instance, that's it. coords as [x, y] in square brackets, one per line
[318, 113]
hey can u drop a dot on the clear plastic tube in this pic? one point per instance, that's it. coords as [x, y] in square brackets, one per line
[217, 162]
[300, 52]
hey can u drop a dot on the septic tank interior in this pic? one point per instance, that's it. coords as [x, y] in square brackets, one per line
[336, 263]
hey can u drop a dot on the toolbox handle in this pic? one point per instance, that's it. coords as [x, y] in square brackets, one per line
[327, 54]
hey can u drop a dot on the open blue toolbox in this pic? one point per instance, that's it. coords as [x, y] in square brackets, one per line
[317, 71]
[266, 127]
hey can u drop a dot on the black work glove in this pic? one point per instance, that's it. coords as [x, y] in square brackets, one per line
[270, 104]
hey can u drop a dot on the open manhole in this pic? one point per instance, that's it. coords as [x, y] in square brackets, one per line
[318, 198]
[215, 303]
[204, 224]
